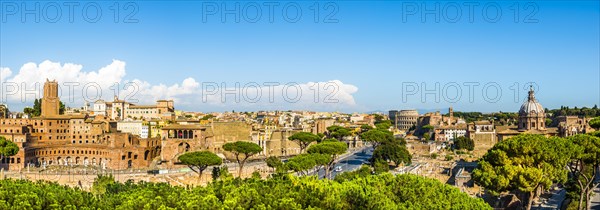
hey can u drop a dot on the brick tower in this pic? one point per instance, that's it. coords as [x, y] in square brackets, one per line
[50, 100]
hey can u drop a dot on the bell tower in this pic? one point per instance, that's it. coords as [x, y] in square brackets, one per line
[50, 100]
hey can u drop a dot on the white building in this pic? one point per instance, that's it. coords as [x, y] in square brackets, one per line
[133, 127]
[99, 108]
[451, 134]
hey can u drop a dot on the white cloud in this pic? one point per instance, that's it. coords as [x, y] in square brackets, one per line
[78, 86]
[4, 73]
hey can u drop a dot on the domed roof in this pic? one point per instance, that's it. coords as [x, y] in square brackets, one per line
[531, 105]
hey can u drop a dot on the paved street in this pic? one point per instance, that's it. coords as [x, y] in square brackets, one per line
[596, 199]
[351, 162]
[596, 196]
[553, 202]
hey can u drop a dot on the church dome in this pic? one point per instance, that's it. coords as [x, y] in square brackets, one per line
[531, 105]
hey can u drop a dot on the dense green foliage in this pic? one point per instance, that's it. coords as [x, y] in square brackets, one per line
[338, 132]
[465, 143]
[37, 107]
[199, 161]
[427, 128]
[365, 128]
[584, 160]
[595, 123]
[469, 116]
[524, 163]
[7, 148]
[363, 171]
[387, 148]
[380, 166]
[303, 163]
[304, 139]
[377, 136]
[501, 118]
[583, 111]
[207, 117]
[275, 163]
[287, 192]
[384, 125]
[332, 148]
[394, 151]
[21, 194]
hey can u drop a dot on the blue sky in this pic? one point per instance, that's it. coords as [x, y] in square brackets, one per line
[376, 47]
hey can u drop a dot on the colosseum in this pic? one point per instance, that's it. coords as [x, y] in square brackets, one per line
[404, 119]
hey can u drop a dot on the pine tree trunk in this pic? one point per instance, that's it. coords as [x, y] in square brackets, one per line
[240, 170]
[582, 195]
[200, 178]
[530, 200]
[589, 198]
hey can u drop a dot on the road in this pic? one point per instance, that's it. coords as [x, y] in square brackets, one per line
[351, 162]
[554, 202]
[596, 199]
[596, 196]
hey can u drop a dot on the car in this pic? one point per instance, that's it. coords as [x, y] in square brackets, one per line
[338, 169]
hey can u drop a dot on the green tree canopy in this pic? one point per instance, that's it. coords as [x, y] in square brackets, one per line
[362, 172]
[524, 163]
[427, 128]
[206, 117]
[378, 118]
[338, 132]
[303, 163]
[199, 161]
[392, 151]
[584, 162]
[304, 139]
[275, 163]
[7, 148]
[365, 128]
[242, 150]
[426, 136]
[595, 123]
[29, 111]
[333, 148]
[465, 143]
[101, 183]
[61, 107]
[37, 107]
[377, 137]
[383, 191]
[384, 125]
